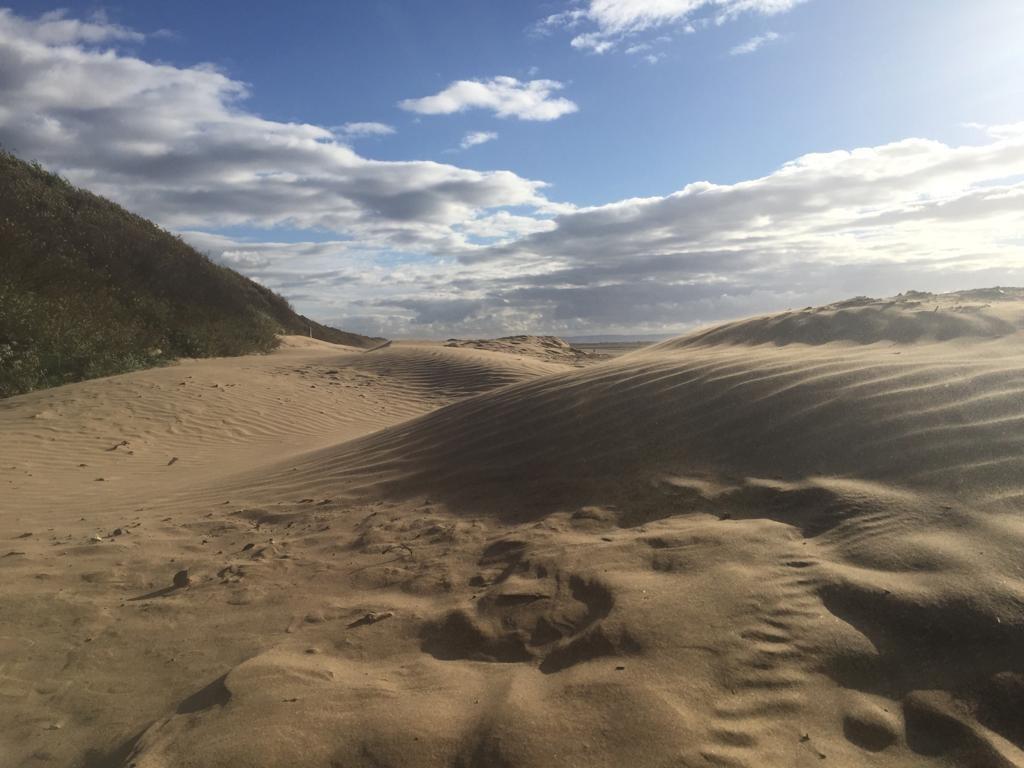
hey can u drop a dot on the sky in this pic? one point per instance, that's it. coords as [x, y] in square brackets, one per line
[577, 167]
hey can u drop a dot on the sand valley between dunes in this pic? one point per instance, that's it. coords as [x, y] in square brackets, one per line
[793, 540]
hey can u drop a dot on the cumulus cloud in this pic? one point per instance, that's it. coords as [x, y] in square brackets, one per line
[897, 202]
[55, 28]
[875, 220]
[753, 44]
[608, 22]
[593, 42]
[176, 144]
[473, 138]
[358, 130]
[913, 213]
[504, 96]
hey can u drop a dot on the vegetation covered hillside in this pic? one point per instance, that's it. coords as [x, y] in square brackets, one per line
[88, 289]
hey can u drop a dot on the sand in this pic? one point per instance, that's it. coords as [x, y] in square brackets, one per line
[548, 348]
[792, 540]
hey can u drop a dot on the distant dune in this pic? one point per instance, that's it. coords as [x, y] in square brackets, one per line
[789, 540]
[548, 348]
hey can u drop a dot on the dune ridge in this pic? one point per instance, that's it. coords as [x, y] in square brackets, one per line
[548, 348]
[943, 416]
[911, 317]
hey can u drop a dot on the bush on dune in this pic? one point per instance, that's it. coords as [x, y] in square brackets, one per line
[89, 289]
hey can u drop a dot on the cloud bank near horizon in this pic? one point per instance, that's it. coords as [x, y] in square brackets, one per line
[423, 248]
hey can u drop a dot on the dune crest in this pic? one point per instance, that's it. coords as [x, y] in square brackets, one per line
[911, 317]
[548, 348]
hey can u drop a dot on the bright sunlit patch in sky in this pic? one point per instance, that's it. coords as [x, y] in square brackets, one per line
[602, 166]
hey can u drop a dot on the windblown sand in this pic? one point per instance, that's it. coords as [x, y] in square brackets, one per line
[788, 541]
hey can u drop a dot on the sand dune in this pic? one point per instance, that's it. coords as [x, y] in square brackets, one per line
[548, 348]
[937, 415]
[791, 540]
[99, 440]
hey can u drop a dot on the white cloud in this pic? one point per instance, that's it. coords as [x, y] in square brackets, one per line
[474, 138]
[612, 21]
[909, 201]
[753, 44]
[358, 130]
[875, 220]
[55, 28]
[592, 42]
[177, 145]
[505, 96]
[628, 16]
[650, 55]
[998, 131]
[505, 226]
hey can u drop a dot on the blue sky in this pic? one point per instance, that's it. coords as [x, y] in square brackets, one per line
[724, 91]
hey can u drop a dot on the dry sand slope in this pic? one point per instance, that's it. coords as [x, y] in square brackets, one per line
[788, 541]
